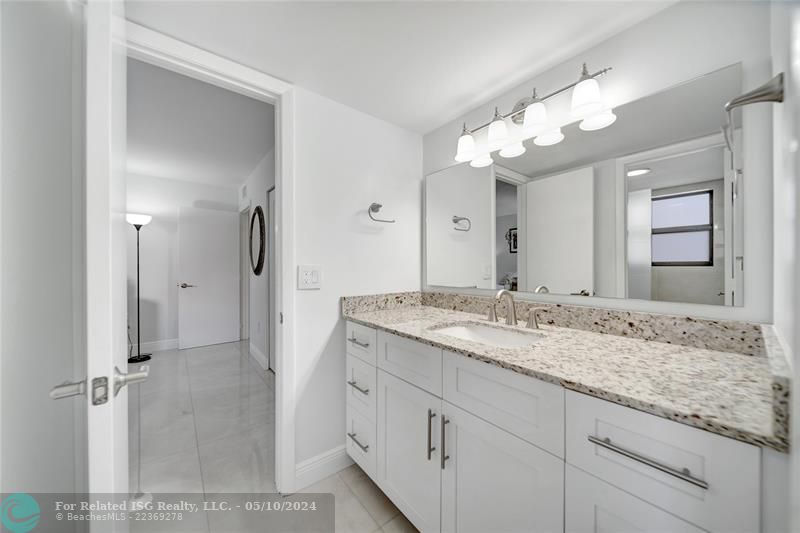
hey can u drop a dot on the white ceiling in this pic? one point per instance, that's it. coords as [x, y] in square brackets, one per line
[415, 64]
[683, 169]
[183, 129]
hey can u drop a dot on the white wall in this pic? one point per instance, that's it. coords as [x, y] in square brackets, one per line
[256, 186]
[159, 251]
[460, 258]
[682, 42]
[345, 160]
[785, 36]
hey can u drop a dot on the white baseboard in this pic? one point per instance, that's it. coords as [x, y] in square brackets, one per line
[259, 356]
[157, 346]
[321, 466]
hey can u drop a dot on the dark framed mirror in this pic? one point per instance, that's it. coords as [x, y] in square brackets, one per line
[257, 257]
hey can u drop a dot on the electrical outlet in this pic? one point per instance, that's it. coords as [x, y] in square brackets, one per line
[309, 277]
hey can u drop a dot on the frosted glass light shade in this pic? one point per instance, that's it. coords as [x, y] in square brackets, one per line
[549, 138]
[586, 98]
[481, 161]
[498, 134]
[512, 150]
[598, 121]
[466, 148]
[138, 220]
[535, 119]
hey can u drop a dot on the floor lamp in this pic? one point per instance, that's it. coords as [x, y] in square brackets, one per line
[137, 221]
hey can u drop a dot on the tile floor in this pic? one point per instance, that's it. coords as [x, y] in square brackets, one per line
[207, 426]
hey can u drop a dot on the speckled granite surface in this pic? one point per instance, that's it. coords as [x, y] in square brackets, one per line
[741, 396]
[723, 335]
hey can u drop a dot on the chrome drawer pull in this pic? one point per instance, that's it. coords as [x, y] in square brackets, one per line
[357, 342]
[363, 447]
[684, 474]
[431, 449]
[353, 384]
[443, 454]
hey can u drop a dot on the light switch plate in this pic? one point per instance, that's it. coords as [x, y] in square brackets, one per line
[309, 277]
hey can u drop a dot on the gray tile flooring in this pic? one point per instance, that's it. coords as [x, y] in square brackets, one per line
[207, 426]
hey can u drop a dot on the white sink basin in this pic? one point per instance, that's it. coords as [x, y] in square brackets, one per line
[489, 335]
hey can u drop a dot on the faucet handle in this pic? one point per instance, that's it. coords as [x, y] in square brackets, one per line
[533, 319]
[492, 313]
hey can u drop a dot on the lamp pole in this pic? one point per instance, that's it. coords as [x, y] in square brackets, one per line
[139, 357]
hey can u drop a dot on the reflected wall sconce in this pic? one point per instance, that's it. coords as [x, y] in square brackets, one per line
[528, 120]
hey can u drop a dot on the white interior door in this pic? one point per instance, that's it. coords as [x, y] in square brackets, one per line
[560, 232]
[639, 234]
[106, 264]
[208, 273]
[44, 442]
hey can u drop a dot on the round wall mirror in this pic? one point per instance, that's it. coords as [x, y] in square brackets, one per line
[257, 240]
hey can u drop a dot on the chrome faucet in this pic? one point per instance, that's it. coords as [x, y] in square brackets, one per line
[511, 313]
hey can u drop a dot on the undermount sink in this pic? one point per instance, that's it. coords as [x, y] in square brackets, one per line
[489, 335]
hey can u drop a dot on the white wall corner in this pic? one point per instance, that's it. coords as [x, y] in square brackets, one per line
[259, 356]
[321, 466]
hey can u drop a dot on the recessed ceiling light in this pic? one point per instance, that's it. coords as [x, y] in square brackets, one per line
[638, 172]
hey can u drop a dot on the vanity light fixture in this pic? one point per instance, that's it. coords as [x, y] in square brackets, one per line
[535, 119]
[513, 150]
[528, 120]
[498, 132]
[549, 138]
[586, 99]
[483, 160]
[601, 120]
[466, 146]
[638, 172]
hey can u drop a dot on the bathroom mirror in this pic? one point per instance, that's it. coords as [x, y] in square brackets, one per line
[257, 240]
[647, 208]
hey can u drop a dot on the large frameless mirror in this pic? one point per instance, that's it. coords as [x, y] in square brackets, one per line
[649, 208]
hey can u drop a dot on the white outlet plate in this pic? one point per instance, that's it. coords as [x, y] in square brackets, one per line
[309, 277]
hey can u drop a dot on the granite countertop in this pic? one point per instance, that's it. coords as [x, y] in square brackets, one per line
[730, 394]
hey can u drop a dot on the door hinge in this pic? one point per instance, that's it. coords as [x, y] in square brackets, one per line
[281, 315]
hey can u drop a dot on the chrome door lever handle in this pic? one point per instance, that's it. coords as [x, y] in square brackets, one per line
[121, 379]
[185, 285]
[68, 390]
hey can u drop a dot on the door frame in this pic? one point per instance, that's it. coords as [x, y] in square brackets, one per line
[160, 50]
[244, 273]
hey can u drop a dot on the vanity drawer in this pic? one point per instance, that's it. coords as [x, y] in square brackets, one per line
[647, 455]
[360, 440]
[419, 364]
[524, 406]
[592, 505]
[361, 342]
[361, 386]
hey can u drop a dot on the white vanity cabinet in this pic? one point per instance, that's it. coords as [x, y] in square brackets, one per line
[462, 446]
[409, 469]
[495, 481]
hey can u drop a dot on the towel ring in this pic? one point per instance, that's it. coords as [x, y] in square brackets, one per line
[457, 220]
[375, 207]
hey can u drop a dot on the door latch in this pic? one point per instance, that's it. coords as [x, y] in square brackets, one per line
[99, 390]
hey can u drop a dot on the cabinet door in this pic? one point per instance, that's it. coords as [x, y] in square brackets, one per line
[595, 506]
[494, 481]
[407, 472]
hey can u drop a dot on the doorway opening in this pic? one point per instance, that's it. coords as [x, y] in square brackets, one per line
[200, 161]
